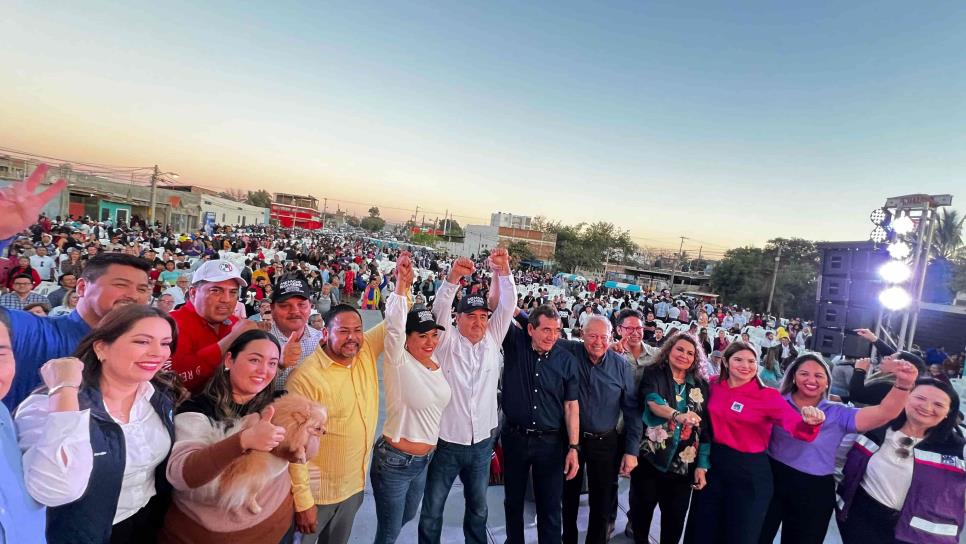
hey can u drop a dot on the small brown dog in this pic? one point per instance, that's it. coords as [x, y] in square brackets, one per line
[304, 423]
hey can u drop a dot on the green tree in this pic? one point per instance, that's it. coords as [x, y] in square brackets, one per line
[948, 239]
[744, 277]
[424, 239]
[519, 251]
[372, 223]
[260, 198]
[374, 211]
[352, 220]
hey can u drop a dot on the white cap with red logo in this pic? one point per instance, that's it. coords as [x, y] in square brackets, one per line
[218, 270]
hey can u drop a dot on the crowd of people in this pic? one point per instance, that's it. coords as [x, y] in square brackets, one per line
[220, 386]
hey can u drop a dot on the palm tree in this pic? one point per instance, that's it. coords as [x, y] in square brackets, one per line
[947, 243]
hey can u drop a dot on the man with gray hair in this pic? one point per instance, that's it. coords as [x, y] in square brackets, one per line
[607, 390]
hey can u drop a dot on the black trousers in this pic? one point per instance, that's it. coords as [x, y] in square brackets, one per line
[802, 505]
[541, 457]
[144, 525]
[599, 458]
[649, 488]
[731, 508]
[869, 521]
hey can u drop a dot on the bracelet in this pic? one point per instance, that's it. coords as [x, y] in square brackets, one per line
[907, 389]
[57, 388]
[674, 416]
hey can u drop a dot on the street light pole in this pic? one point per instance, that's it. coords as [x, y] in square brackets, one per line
[774, 280]
[674, 265]
[154, 195]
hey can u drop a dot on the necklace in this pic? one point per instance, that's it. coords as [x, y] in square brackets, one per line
[679, 391]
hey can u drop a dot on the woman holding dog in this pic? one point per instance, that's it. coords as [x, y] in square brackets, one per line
[210, 434]
[416, 394]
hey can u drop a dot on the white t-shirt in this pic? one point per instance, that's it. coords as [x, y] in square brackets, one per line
[888, 476]
[415, 395]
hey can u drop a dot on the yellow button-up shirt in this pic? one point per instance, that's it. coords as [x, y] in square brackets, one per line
[351, 396]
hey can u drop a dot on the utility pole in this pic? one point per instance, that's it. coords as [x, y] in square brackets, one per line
[774, 280]
[154, 194]
[674, 264]
[325, 206]
[446, 223]
[415, 215]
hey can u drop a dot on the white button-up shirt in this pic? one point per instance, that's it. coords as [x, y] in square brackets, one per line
[48, 439]
[472, 370]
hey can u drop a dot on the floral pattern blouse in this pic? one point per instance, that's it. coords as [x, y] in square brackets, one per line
[667, 445]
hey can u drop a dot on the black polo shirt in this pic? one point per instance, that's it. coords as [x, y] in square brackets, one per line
[535, 385]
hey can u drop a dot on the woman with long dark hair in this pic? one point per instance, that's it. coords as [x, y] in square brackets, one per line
[675, 450]
[743, 411]
[803, 471]
[96, 438]
[906, 481]
[208, 440]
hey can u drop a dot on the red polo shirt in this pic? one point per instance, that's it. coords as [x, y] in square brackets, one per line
[198, 354]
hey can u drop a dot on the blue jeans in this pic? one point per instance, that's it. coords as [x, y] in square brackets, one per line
[398, 480]
[472, 464]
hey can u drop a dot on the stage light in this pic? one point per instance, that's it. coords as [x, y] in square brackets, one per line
[895, 298]
[878, 235]
[880, 217]
[895, 272]
[903, 225]
[899, 250]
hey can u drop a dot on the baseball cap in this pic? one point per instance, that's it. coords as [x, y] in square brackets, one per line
[716, 353]
[421, 321]
[218, 270]
[471, 303]
[291, 287]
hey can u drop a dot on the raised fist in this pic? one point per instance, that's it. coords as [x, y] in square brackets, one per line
[64, 371]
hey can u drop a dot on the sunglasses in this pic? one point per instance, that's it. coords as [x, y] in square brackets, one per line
[905, 448]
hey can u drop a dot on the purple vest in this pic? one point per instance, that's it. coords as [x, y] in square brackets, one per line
[933, 510]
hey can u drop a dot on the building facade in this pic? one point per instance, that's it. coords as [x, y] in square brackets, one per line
[508, 220]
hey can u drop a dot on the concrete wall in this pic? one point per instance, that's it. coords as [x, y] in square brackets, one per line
[229, 212]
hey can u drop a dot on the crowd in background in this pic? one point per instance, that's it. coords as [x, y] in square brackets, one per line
[219, 386]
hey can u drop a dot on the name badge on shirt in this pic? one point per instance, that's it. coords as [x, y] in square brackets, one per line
[737, 406]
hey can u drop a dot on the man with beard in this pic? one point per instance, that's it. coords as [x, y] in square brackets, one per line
[206, 323]
[291, 309]
[341, 375]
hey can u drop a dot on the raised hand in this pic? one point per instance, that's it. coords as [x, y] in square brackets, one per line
[292, 350]
[812, 415]
[404, 270]
[461, 267]
[500, 261]
[65, 371]
[19, 206]
[906, 374]
[264, 435]
[866, 334]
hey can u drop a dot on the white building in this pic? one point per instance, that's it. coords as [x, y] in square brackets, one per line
[477, 239]
[500, 219]
[229, 212]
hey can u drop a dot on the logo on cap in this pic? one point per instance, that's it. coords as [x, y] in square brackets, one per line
[475, 301]
[226, 266]
[426, 315]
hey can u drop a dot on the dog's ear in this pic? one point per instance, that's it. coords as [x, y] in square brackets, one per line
[300, 418]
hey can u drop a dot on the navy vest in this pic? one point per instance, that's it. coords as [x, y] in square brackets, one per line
[90, 519]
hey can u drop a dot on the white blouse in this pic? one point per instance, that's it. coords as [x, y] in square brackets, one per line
[48, 438]
[415, 395]
[888, 476]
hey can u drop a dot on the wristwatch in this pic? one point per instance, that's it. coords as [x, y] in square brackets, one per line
[575, 447]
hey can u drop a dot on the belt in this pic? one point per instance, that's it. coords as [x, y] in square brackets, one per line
[532, 432]
[598, 436]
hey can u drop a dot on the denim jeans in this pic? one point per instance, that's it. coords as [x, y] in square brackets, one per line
[398, 480]
[472, 464]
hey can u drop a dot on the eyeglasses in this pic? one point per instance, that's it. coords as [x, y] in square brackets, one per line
[632, 329]
[903, 451]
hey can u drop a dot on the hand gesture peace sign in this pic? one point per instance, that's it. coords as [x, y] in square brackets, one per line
[19, 205]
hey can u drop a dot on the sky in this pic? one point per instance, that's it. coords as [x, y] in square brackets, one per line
[728, 123]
